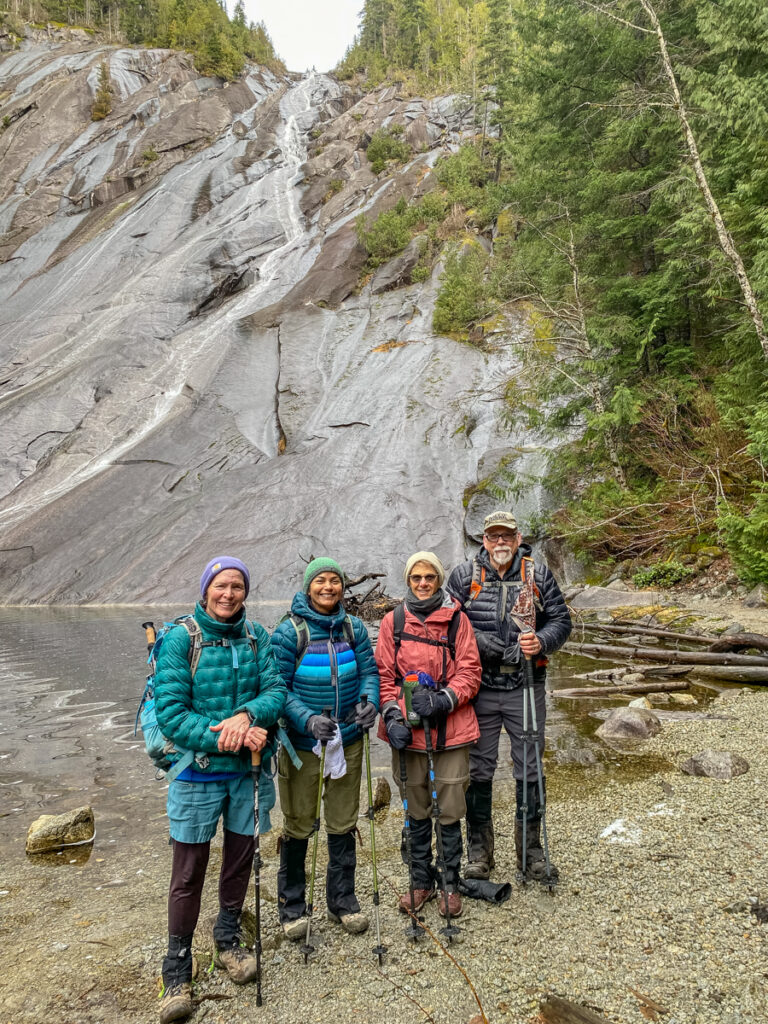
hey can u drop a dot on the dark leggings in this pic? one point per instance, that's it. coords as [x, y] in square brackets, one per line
[190, 861]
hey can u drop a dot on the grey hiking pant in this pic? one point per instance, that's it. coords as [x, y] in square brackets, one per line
[497, 708]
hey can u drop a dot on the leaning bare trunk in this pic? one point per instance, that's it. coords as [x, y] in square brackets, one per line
[724, 236]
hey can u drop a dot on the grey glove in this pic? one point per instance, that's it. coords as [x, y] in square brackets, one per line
[365, 714]
[490, 646]
[322, 728]
[512, 655]
[398, 733]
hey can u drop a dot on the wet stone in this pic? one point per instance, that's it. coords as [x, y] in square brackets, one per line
[55, 831]
[629, 724]
[716, 764]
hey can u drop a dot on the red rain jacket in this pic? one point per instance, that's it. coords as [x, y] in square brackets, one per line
[462, 675]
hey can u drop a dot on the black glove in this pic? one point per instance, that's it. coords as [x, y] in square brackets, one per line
[365, 714]
[431, 703]
[490, 646]
[398, 733]
[322, 728]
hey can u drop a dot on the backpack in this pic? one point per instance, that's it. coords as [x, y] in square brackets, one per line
[527, 578]
[299, 623]
[448, 643]
[169, 760]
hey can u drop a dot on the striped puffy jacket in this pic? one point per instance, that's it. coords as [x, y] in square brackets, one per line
[330, 674]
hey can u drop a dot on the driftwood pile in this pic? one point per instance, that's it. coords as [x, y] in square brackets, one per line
[723, 658]
[372, 604]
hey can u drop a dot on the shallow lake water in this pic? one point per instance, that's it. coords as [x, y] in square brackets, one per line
[72, 679]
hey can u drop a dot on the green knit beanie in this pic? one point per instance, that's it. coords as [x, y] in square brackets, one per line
[318, 565]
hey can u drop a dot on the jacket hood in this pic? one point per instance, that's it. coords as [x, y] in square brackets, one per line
[302, 606]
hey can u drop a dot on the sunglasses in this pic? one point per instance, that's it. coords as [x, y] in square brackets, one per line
[429, 578]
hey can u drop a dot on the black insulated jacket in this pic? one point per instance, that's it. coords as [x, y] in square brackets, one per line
[489, 615]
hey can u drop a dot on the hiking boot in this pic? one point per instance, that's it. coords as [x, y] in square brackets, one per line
[535, 861]
[239, 963]
[454, 904]
[352, 923]
[176, 1002]
[480, 839]
[480, 843]
[295, 928]
[420, 897]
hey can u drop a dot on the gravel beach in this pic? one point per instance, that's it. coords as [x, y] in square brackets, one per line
[657, 916]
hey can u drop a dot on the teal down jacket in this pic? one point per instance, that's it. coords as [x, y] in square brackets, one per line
[309, 693]
[187, 707]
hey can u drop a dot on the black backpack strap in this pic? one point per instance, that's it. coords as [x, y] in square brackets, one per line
[299, 623]
[348, 629]
[398, 625]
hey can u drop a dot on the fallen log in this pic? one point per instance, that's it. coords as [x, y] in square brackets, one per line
[647, 671]
[607, 691]
[654, 654]
[664, 634]
[738, 641]
[733, 674]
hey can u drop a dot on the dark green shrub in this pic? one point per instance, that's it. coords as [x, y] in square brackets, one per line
[463, 297]
[662, 574]
[383, 147]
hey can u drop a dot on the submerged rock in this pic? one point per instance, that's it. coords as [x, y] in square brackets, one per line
[629, 724]
[55, 831]
[716, 764]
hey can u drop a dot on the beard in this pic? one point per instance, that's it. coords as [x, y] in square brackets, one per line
[502, 555]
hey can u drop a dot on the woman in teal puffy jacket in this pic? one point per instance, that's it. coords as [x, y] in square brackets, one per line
[220, 711]
[327, 661]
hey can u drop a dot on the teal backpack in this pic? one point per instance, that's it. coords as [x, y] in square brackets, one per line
[169, 760]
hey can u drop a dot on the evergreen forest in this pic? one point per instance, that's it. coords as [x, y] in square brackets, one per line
[621, 169]
[219, 44]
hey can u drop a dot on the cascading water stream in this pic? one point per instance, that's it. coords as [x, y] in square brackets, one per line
[281, 268]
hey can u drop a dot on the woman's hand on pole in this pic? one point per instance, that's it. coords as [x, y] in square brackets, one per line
[232, 732]
[255, 738]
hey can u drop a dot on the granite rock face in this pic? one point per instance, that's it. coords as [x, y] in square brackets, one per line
[189, 362]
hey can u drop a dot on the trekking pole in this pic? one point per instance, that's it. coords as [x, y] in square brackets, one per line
[256, 772]
[306, 949]
[413, 930]
[378, 949]
[450, 929]
[151, 635]
[528, 696]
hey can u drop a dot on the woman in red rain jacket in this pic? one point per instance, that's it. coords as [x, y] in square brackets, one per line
[430, 671]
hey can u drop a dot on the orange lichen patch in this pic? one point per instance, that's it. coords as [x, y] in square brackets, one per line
[387, 346]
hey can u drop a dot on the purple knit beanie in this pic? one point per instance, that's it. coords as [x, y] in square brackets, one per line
[217, 565]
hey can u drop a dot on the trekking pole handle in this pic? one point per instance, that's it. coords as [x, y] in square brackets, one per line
[326, 712]
[255, 758]
[149, 632]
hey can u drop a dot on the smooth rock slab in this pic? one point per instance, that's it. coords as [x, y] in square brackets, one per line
[716, 764]
[54, 831]
[629, 724]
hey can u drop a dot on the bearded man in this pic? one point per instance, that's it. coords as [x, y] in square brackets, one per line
[517, 611]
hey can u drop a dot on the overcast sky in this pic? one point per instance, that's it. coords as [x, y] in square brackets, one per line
[307, 33]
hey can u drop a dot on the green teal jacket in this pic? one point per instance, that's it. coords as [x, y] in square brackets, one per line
[229, 679]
